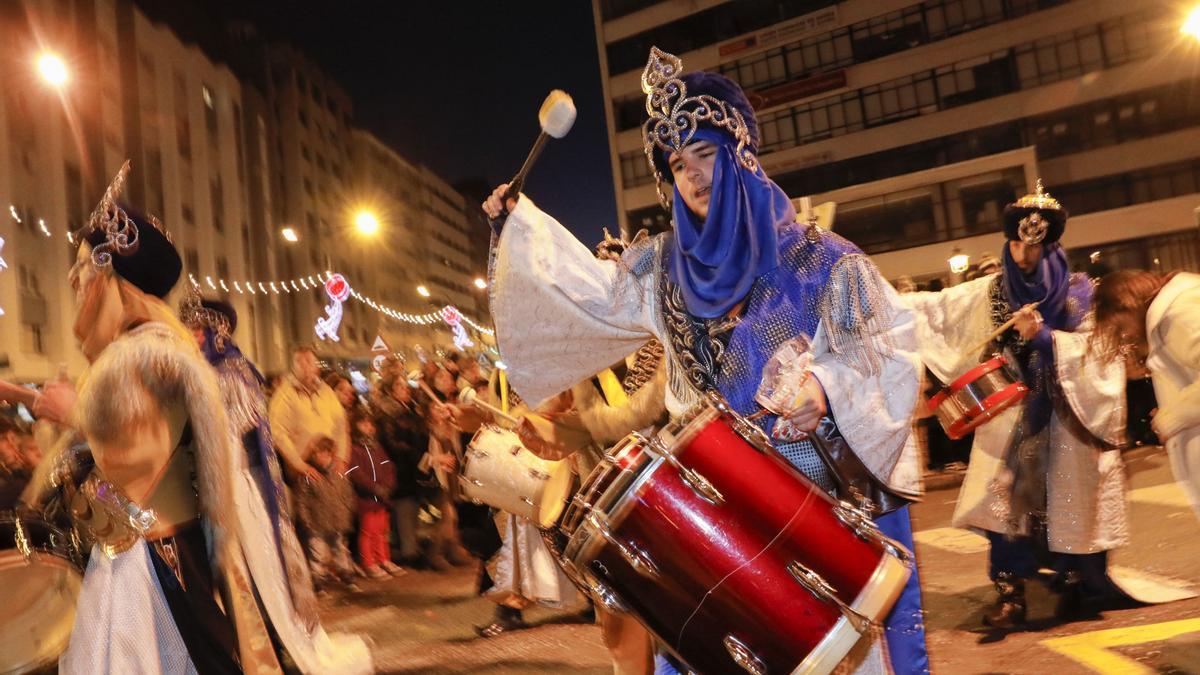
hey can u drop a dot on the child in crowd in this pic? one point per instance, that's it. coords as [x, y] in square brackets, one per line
[374, 479]
[327, 507]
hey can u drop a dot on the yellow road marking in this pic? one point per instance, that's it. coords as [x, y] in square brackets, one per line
[1094, 649]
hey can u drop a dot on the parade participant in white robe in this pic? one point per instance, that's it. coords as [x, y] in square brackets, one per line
[1053, 459]
[1153, 320]
[735, 280]
[167, 588]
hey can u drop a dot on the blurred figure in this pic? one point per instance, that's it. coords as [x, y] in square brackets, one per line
[1152, 321]
[327, 507]
[302, 408]
[442, 459]
[403, 436]
[14, 475]
[373, 477]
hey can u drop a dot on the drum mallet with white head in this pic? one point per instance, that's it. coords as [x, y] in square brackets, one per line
[556, 118]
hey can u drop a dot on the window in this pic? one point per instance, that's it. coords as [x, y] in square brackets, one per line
[216, 193]
[210, 114]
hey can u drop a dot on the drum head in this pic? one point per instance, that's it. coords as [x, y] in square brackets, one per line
[38, 610]
[554, 497]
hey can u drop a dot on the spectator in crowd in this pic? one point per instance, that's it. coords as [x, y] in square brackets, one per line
[402, 435]
[302, 408]
[373, 477]
[13, 474]
[443, 457]
[326, 507]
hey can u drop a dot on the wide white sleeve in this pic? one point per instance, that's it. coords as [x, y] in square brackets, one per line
[873, 408]
[561, 315]
[1093, 386]
[948, 323]
[1180, 334]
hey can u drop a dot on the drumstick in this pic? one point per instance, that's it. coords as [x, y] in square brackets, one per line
[494, 410]
[996, 333]
[15, 393]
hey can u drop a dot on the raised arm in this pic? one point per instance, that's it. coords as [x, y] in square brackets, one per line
[560, 314]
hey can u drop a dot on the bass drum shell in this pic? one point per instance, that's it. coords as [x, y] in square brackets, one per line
[41, 574]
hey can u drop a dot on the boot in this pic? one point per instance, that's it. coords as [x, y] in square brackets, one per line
[1072, 604]
[1009, 609]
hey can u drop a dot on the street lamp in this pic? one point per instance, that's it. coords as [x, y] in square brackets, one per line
[1191, 25]
[366, 222]
[422, 291]
[53, 69]
[289, 235]
[480, 283]
[959, 262]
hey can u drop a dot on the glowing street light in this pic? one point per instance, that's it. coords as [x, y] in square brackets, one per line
[1191, 25]
[53, 69]
[289, 235]
[422, 291]
[480, 283]
[366, 222]
[959, 262]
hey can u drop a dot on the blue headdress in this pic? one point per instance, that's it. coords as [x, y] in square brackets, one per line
[715, 260]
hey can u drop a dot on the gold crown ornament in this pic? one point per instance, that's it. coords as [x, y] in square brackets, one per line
[1033, 228]
[674, 117]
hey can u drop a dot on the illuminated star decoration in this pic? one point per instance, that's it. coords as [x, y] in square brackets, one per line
[453, 319]
[3, 266]
[338, 289]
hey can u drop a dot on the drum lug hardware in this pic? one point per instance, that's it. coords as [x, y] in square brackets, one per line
[22, 541]
[604, 595]
[527, 500]
[694, 479]
[866, 530]
[481, 454]
[742, 655]
[539, 475]
[515, 450]
[815, 584]
[700, 485]
[473, 481]
[636, 557]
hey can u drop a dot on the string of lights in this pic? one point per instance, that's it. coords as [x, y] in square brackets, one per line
[315, 281]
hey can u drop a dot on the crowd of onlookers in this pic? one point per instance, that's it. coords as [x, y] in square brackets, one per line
[373, 469]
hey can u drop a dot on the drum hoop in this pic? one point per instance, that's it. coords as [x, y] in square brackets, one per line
[614, 513]
[994, 363]
[1006, 397]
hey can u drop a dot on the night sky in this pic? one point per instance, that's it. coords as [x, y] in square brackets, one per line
[456, 86]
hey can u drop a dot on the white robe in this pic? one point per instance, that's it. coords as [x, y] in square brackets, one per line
[1173, 330]
[1086, 509]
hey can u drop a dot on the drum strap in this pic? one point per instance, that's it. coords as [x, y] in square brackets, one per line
[855, 483]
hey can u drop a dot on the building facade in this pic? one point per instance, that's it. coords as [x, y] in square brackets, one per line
[232, 139]
[135, 93]
[923, 119]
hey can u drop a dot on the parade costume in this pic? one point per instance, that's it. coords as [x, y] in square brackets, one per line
[1172, 324]
[562, 315]
[278, 566]
[1054, 457]
[164, 502]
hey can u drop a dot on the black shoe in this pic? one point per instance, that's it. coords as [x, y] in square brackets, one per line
[500, 626]
[1009, 609]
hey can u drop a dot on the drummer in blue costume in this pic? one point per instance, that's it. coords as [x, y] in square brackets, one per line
[736, 279]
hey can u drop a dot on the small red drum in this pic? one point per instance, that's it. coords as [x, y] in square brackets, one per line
[981, 394]
[733, 559]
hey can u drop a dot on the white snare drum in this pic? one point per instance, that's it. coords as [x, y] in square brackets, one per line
[499, 471]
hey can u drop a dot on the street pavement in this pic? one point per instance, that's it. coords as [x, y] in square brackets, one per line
[423, 622]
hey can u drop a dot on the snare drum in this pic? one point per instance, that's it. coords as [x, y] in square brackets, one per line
[732, 558]
[979, 395]
[41, 571]
[499, 471]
